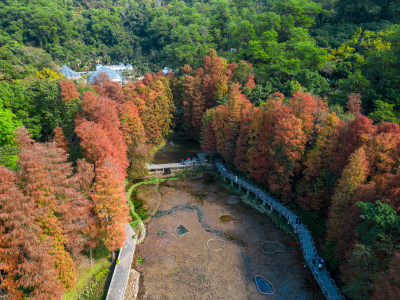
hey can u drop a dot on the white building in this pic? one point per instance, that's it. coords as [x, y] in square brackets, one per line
[119, 68]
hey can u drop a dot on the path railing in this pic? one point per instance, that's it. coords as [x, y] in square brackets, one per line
[175, 166]
[327, 284]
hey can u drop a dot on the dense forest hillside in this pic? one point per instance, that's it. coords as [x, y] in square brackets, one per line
[330, 48]
[300, 96]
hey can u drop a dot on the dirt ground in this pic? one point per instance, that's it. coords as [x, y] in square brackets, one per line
[184, 268]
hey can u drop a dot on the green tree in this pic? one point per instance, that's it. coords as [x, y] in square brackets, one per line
[385, 112]
[379, 235]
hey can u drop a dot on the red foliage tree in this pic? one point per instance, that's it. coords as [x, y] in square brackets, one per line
[24, 249]
[313, 192]
[84, 175]
[311, 110]
[227, 123]
[153, 99]
[353, 136]
[193, 105]
[135, 138]
[107, 88]
[250, 82]
[95, 143]
[101, 136]
[107, 116]
[89, 103]
[186, 69]
[208, 140]
[392, 191]
[354, 104]
[384, 149]
[328, 163]
[68, 90]
[388, 284]
[354, 175]
[60, 139]
[215, 82]
[110, 205]
[241, 160]
[277, 143]
[44, 178]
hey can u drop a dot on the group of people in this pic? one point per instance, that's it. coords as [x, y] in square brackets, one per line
[189, 159]
[321, 262]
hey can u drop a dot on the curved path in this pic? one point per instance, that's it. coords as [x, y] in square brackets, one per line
[323, 277]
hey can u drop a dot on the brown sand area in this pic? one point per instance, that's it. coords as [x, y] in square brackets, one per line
[183, 267]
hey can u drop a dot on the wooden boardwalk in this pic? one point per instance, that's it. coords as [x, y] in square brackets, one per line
[176, 166]
[327, 284]
[173, 166]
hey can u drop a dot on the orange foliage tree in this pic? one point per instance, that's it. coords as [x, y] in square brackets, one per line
[110, 205]
[277, 148]
[208, 85]
[24, 249]
[60, 139]
[208, 139]
[153, 99]
[354, 175]
[44, 221]
[312, 190]
[68, 90]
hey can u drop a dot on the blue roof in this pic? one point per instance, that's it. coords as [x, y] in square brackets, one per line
[68, 72]
[112, 75]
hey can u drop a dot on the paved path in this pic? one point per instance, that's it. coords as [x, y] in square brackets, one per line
[323, 277]
[168, 166]
[121, 273]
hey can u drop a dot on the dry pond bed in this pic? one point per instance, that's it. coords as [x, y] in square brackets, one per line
[220, 255]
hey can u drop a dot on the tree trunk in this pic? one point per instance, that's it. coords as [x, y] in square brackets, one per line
[112, 256]
[91, 258]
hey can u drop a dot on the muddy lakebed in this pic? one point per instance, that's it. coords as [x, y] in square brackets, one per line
[222, 252]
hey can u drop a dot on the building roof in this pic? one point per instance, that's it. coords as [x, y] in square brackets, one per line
[68, 72]
[112, 75]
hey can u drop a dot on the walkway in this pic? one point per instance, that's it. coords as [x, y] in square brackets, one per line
[122, 269]
[323, 277]
[175, 166]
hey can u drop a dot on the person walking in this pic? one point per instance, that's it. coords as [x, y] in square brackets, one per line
[314, 260]
[321, 263]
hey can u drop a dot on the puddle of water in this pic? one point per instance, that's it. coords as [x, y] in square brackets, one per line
[177, 149]
[263, 286]
[181, 230]
[228, 218]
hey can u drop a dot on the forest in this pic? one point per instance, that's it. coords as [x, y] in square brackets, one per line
[299, 96]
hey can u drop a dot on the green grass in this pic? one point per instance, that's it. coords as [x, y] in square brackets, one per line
[85, 277]
[141, 214]
[190, 173]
